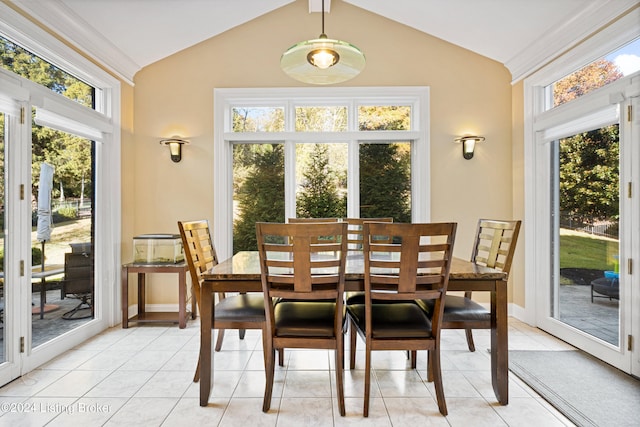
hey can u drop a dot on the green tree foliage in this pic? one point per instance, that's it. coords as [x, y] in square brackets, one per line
[385, 169]
[260, 197]
[321, 119]
[385, 184]
[384, 118]
[589, 161]
[319, 195]
[589, 174]
[585, 80]
[70, 155]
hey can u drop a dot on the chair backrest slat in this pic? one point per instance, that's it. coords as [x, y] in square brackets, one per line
[495, 243]
[299, 264]
[200, 253]
[354, 237]
[417, 267]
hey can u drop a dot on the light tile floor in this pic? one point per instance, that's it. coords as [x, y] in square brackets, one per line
[142, 376]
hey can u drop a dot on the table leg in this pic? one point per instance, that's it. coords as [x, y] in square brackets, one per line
[125, 297]
[182, 300]
[500, 343]
[206, 362]
[141, 294]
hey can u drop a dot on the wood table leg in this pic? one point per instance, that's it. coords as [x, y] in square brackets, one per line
[206, 361]
[182, 300]
[500, 343]
[125, 297]
[142, 298]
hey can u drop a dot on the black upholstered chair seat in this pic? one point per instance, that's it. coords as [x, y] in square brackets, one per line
[458, 309]
[304, 319]
[393, 320]
[243, 307]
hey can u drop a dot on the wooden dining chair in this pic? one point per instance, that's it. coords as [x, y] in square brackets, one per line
[494, 246]
[412, 263]
[355, 243]
[354, 238]
[244, 311]
[312, 221]
[307, 278]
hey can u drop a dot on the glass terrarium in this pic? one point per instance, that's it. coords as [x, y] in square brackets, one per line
[157, 249]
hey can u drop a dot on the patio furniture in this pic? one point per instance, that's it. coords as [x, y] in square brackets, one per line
[78, 281]
[607, 287]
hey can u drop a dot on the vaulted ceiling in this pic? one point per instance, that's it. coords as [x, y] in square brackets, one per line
[127, 35]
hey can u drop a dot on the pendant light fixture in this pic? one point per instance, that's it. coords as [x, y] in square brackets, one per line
[323, 60]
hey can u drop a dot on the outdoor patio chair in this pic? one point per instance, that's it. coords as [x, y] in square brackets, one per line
[78, 281]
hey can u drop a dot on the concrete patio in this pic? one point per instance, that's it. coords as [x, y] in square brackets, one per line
[599, 318]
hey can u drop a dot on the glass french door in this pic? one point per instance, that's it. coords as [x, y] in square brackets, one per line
[592, 212]
[11, 282]
[47, 267]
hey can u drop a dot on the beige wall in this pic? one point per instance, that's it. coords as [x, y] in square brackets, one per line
[469, 94]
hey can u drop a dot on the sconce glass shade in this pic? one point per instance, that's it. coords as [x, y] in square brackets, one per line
[469, 145]
[322, 61]
[175, 147]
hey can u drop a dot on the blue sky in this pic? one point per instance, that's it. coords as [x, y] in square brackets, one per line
[627, 58]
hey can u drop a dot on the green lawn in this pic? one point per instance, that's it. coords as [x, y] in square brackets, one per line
[581, 250]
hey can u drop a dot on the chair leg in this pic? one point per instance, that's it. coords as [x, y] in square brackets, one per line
[281, 357]
[367, 381]
[241, 333]
[414, 358]
[437, 375]
[352, 345]
[470, 343]
[340, 373]
[219, 340]
[269, 369]
[196, 376]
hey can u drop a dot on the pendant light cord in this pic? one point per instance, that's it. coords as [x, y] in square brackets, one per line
[323, 34]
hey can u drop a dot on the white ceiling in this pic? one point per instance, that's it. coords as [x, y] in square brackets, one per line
[127, 35]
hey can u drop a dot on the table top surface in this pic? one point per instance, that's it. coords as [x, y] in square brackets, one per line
[246, 266]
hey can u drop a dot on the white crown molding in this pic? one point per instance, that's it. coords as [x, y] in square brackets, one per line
[589, 20]
[55, 15]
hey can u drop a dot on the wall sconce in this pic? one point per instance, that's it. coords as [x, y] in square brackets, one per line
[469, 145]
[175, 146]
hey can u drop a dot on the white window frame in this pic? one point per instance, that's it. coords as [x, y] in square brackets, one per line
[104, 123]
[225, 99]
[537, 117]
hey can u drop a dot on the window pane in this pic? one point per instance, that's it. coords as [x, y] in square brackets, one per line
[321, 180]
[62, 190]
[258, 119]
[258, 190]
[321, 119]
[620, 63]
[388, 117]
[26, 64]
[588, 185]
[385, 181]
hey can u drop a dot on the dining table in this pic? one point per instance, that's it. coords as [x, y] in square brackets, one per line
[241, 273]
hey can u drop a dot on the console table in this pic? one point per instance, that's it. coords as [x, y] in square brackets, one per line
[156, 316]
